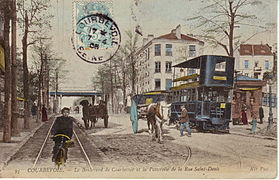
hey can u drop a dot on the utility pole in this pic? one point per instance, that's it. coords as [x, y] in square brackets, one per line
[270, 118]
[15, 127]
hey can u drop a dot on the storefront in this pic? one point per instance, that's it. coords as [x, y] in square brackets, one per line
[246, 89]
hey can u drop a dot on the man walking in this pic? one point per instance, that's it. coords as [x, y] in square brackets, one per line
[184, 121]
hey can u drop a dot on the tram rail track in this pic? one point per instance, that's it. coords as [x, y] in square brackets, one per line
[76, 138]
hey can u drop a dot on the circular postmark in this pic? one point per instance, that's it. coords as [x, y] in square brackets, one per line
[97, 38]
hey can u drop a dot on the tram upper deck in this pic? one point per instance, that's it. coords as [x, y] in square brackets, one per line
[212, 71]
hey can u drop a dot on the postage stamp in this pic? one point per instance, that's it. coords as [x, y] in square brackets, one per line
[96, 36]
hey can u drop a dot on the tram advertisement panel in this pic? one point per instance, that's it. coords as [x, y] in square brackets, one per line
[135, 89]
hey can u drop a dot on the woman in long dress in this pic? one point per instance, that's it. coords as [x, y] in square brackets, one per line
[44, 114]
[134, 116]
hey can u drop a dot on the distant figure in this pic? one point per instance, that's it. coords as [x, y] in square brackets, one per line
[128, 103]
[254, 116]
[77, 109]
[44, 113]
[120, 106]
[261, 115]
[134, 116]
[34, 110]
[244, 117]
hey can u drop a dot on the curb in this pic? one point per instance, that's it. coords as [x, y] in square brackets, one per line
[254, 136]
[24, 141]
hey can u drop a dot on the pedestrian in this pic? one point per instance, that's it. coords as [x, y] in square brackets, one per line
[254, 115]
[261, 114]
[62, 127]
[244, 117]
[184, 121]
[134, 116]
[34, 110]
[44, 113]
[128, 103]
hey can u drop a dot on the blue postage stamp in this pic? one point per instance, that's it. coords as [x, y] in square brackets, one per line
[96, 37]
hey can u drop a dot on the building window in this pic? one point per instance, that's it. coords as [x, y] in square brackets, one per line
[266, 65]
[168, 84]
[157, 84]
[246, 64]
[265, 100]
[157, 67]
[168, 49]
[168, 67]
[192, 50]
[157, 49]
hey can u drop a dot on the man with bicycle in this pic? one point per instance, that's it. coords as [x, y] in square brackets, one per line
[62, 131]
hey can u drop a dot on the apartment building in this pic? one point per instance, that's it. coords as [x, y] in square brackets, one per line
[157, 56]
[254, 60]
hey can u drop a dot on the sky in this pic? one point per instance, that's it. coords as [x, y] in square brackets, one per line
[155, 17]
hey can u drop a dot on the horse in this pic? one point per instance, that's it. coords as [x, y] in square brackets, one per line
[157, 114]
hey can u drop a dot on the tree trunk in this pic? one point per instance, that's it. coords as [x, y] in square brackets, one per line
[15, 125]
[111, 88]
[7, 108]
[133, 74]
[124, 88]
[25, 75]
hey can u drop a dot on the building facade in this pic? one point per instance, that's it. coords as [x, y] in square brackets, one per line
[154, 60]
[254, 60]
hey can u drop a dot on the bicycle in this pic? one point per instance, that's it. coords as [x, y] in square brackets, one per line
[61, 155]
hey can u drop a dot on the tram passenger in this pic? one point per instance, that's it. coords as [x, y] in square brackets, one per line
[62, 127]
[184, 121]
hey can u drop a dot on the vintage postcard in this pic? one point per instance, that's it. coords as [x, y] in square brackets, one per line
[178, 89]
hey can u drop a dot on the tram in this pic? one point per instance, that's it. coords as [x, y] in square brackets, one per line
[143, 100]
[206, 92]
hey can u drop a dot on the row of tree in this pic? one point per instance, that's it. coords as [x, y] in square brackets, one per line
[120, 72]
[32, 82]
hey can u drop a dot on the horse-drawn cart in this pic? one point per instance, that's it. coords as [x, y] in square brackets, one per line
[92, 113]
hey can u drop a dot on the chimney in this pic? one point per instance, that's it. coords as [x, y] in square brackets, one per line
[178, 31]
[144, 41]
[150, 37]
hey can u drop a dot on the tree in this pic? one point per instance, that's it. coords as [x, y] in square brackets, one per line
[32, 15]
[130, 48]
[220, 18]
[7, 86]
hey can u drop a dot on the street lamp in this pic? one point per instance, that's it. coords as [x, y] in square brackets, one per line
[269, 77]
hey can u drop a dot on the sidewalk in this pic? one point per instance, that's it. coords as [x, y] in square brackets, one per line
[245, 130]
[8, 150]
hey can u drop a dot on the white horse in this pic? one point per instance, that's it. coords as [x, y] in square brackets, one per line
[157, 114]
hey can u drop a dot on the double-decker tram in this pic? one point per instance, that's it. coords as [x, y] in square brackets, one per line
[206, 92]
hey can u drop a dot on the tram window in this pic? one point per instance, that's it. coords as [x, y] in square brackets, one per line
[220, 66]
